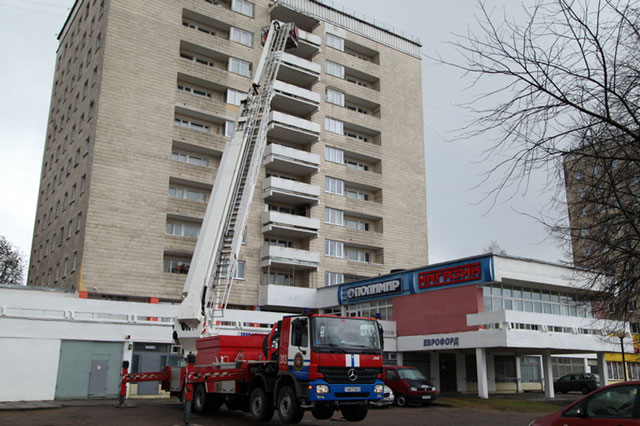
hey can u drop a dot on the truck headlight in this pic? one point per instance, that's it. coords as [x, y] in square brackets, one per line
[414, 389]
[378, 389]
[322, 389]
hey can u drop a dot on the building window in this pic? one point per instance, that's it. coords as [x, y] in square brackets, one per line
[238, 66]
[190, 159]
[235, 97]
[382, 307]
[79, 222]
[333, 278]
[229, 128]
[242, 6]
[194, 91]
[357, 136]
[357, 108]
[83, 183]
[277, 278]
[333, 186]
[199, 59]
[241, 36]
[333, 125]
[335, 97]
[334, 155]
[183, 229]
[239, 273]
[505, 368]
[98, 41]
[69, 229]
[276, 242]
[176, 266]
[190, 124]
[74, 264]
[358, 225]
[357, 195]
[357, 255]
[357, 165]
[199, 27]
[333, 216]
[333, 248]
[65, 267]
[186, 193]
[335, 42]
[334, 69]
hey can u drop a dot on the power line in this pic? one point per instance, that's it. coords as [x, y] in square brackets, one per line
[32, 10]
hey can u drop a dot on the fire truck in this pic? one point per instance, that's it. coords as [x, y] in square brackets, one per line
[308, 362]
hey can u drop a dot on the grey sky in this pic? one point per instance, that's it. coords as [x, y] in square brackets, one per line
[460, 224]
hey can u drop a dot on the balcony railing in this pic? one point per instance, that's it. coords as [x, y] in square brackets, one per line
[289, 225]
[288, 257]
[289, 191]
[290, 160]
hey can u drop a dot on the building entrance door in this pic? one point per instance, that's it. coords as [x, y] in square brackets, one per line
[98, 377]
[448, 379]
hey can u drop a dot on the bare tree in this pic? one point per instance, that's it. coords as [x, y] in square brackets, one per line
[569, 103]
[494, 248]
[11, 263]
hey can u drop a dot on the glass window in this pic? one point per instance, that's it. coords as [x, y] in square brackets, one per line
[335, 97]
[333, 278]
[334, 69]
[238, 66]
[235, 97]
[335, 42]
[242, 6]
[333, 125]
[617, 402]
[333, 248]
[334, 155]
[333, 186]
[333, 216]
[241, 36]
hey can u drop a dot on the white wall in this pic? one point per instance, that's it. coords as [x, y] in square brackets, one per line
[28, 368]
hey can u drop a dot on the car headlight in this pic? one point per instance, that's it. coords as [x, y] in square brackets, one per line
[322, 389]
[413, 388]
[378, 389]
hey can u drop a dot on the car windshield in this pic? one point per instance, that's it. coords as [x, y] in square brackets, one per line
[410, 374]
[332, 334]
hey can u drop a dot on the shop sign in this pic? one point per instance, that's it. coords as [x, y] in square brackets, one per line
[441, 341]
[452, 275]
[374, 289]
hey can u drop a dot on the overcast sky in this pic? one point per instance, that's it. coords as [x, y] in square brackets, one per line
[460, 223]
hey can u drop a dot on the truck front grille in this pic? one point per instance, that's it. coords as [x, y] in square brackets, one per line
[366, 375]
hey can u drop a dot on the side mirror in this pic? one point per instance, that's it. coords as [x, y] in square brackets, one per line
[381, 333]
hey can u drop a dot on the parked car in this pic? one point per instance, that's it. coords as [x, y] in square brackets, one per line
[409, 385]
[581, 382]
[615, 404]
[387, 400]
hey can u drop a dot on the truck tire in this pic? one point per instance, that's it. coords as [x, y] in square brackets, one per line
[260, 405]
[401, 400]
[289, 409]
[354, 413]
[323, 413]
[203, 403]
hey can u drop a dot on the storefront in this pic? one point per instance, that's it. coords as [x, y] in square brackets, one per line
[488, 323]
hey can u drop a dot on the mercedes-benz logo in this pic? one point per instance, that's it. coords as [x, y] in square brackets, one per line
[352, 374]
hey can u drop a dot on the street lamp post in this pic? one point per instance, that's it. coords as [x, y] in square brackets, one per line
[621, 335]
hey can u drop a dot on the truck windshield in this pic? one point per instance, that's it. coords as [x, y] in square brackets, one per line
[410, 374]
[344, 335]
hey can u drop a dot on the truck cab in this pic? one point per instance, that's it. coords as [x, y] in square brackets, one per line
[409, 385]
[330, 363]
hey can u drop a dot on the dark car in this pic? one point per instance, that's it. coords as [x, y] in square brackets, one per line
[581, 382]
[409, 385]
[613, 405]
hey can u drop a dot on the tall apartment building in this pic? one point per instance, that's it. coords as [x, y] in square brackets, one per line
[144, 100]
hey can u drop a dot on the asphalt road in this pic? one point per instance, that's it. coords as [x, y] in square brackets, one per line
[165, 412]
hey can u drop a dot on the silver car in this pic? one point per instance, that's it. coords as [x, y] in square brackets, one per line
[387, 400]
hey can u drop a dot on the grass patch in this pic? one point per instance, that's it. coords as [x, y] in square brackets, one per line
[500, 404]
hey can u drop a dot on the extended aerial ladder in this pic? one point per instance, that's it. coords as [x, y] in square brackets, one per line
[213, 265]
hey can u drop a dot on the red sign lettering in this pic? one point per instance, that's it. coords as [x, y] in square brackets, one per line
[456, 274]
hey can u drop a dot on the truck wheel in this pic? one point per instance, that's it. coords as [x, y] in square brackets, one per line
[401, 400]
[289, 409]
[323, 413]
[203, 403]
[260, 405]
[354, 413]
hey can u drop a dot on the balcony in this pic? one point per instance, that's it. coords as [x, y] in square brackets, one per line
[276, 256]
[290, 160]
[289, 225]
[298, 71]
[283, 295]
[308, 45]
[288, 191]
[292, 129]
[293, 99]
[285, 13]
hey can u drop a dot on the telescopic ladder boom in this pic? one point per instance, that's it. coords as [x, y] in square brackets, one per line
[213, 265]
